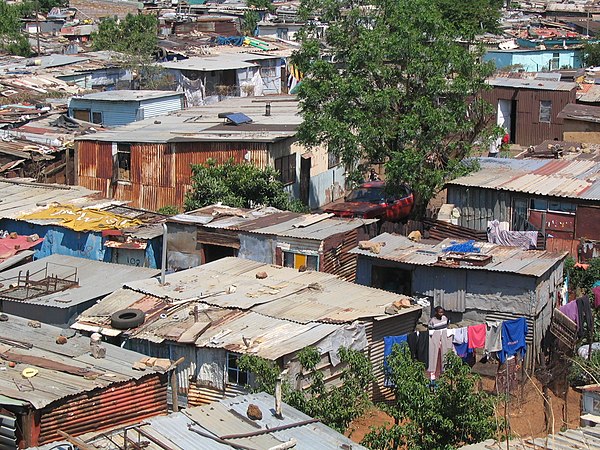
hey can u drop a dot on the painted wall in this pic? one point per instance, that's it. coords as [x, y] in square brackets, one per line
[88, 245]
[122, 113]
[535, 60]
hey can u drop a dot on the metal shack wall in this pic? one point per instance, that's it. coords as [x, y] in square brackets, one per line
[478, 206]
[160, 173]
[397, 325]
[529, 130]
[117, 404]
[160, 106]
[336, 259]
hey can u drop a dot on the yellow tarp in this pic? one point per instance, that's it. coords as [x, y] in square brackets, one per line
[82, 219]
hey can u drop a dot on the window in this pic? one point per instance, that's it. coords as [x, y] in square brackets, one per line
[124, 162]
[332, 160]
[268, 68]
[297, 260]
[286, 166]
[234, 374]
[555, 61]
[81, 114]
[538, 204]
[97, 117]
[282, 33]
[545, 111]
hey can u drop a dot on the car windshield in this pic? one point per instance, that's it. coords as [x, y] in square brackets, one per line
[372, 195]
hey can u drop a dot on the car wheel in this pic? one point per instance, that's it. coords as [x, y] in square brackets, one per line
[127, 318]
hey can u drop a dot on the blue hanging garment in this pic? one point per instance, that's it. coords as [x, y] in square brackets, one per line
[513, 338]
[388, 345]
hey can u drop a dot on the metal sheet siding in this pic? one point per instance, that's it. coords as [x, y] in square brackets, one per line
[94, 159]
[336, 259]
[393, 326]
[159, 106]
[478, 206]
[126, 403]
[152, 165]
[529, 131]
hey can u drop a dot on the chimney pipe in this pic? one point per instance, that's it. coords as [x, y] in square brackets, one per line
[278, 413]
[268, 109]
[163, 265]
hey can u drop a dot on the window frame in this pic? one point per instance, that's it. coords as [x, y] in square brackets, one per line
[289, 254]
[123, 149]
[286, 167]
[229, 368]
[545, 107]
[95, 115]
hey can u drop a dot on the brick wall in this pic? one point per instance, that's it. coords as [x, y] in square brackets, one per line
[97, 9]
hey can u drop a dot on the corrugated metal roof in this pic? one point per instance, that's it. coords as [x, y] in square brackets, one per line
[128, 95]
[271, 317]
[504, 259]
[275, 222]
[21, 196]
[51, 385]
[337, 300]
[227, 417]
[96, 278]
[555, 178]
[522, 83]
[580, 438]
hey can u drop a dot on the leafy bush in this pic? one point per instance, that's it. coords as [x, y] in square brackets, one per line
[238, 185]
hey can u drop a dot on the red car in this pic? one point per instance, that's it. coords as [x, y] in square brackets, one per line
[369, 201]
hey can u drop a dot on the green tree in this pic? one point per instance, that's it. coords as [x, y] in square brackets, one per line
[472, 17]
[401, 90]
[334, 406]
[135, 40]
[591, 54]
[46, 5]
[12, 40]
[448, 416]
[238, 185]
[250, 22]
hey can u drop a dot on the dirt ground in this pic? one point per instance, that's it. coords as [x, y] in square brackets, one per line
[525, 412]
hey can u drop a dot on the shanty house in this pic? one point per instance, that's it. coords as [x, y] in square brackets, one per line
[223, 425]
[56, 387]
[227, 74]
[535, 60]
[559, 197]
[56, 289]
[116, 108]
[528, 108]
[148, 163]
[213, 313]
[316, 241]
[494, 283]
[581, 123]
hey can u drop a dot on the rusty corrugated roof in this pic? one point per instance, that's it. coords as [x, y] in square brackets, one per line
[555, 178]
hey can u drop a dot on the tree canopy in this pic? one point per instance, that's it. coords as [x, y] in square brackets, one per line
[238, 185]
[12, 40]
[390, 82]
[134, 35]
[591, 54]
[449, 415]
[334, 406]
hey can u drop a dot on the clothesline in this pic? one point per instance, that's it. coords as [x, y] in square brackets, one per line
[501, 338]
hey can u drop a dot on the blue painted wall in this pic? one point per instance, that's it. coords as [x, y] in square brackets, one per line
[534, 60]
[64, 241]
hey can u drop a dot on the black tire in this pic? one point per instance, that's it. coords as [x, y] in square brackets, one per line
[127, 318]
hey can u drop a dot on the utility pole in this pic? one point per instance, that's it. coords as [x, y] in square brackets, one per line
[37, 25]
